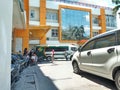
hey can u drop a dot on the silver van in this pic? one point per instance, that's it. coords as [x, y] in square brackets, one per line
[100, 56]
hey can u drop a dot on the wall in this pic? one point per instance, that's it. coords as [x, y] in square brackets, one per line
[6, 8]
[35, 3]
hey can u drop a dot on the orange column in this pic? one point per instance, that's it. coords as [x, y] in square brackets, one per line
[102, 21]
[43, 18]
[26, 34]
[42, 12]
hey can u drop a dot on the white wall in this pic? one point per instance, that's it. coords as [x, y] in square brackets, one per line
[6, 8]
[18, 46]
[35, 3]
[52, 24]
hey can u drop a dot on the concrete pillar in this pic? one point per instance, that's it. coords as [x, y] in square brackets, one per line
[6, 8]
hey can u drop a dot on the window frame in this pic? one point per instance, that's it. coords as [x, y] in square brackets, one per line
[87, 44]
[106, 35]
[102, 36]
[56, 33]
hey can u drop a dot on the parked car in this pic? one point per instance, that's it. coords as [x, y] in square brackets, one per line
[15, 69]
[100, 56]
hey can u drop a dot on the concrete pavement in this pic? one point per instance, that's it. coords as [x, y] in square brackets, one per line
[28, 79]
[59, 76]
[32, 78]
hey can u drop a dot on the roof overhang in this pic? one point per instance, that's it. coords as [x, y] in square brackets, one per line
[38, 32]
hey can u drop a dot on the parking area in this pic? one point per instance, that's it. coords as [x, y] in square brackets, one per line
[60, 73]
[59, 76]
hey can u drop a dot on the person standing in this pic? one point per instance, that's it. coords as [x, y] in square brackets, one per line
[34, 59]
[53, 55]
[66, 55]
[25, 52]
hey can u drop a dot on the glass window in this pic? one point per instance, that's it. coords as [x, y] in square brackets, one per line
[32, 13]
[57, 48]
[110, 20]
[95, 20]
[88, 46]
[52, 16]
[105, 41]
[54, 33]
[75, 24]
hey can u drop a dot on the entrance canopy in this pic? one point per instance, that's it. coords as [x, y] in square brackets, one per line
[38, 32]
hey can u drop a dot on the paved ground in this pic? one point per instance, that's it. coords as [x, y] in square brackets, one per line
[28, 79]
[59, 76]
[62, 77]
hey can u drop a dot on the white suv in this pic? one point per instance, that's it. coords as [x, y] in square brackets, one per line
[100, 56]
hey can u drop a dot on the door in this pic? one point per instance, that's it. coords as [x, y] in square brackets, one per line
[85, 55]
[104, 54]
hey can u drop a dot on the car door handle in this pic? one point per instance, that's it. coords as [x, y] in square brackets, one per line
[110, 50]
[89, 53]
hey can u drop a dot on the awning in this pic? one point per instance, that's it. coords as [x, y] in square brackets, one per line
[38, 32]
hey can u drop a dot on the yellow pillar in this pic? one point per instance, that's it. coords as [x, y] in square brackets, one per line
[42, 12]
[43, 18]
[102, 21]
[26, 34]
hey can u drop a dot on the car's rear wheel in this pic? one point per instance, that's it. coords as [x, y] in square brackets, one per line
[76, 68]
[117, 80]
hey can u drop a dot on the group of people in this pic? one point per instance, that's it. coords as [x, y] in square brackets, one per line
[33, 56]
[30, 56]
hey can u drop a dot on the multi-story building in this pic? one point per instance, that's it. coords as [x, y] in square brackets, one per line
[63, 21]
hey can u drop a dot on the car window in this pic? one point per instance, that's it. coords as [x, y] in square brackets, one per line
[88, 46]
[105, 41]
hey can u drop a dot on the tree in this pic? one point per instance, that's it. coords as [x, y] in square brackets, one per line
[116, 8]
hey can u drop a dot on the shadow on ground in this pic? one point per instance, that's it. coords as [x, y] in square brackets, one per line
[44, 82]
[102, 81]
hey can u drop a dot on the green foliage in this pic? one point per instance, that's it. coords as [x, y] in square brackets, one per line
[116, 1]
[116, 8]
